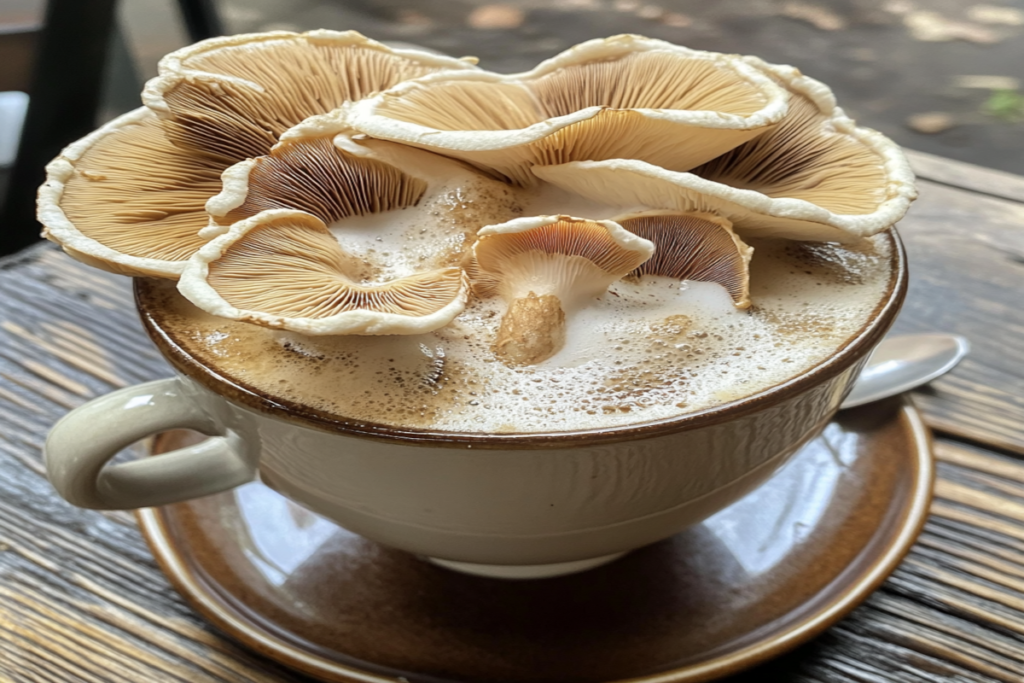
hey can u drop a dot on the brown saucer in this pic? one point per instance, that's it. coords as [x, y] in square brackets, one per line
[755, 580]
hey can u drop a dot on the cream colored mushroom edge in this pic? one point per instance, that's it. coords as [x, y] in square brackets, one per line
[327, 184]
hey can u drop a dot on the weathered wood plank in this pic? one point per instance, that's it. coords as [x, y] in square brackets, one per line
[966, 256]
[80, 597]
[936, 619]
[967, 176]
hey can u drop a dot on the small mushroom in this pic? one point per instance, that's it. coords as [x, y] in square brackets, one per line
[815, 176]
[285, 270]
[544, 267]
[232, 97]
[620, 97]
[699, 246]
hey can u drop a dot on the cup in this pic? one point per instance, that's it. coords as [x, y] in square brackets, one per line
[505, 505]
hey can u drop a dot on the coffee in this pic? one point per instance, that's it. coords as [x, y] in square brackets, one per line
[650, 348]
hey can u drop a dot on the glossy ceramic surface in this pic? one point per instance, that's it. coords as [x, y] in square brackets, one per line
[751, 581]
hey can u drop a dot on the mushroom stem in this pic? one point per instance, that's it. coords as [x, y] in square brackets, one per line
[532, 330]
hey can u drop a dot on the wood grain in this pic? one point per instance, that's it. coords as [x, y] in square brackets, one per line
[978, 179]
[81, 598]
[966, 255]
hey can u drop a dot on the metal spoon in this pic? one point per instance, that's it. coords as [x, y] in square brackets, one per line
[901, 363]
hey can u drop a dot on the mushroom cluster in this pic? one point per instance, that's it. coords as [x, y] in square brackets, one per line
[262, 165]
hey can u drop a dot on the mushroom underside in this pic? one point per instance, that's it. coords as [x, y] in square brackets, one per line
[299, 77]
[284, 269]
[139, 195]
[635, 183]
[669, 108]
[697, 247]
[314, 176]
[804, 158]
[543, 269]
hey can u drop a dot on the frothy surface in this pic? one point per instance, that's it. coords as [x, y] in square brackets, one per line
[646, 350]
[437, 231]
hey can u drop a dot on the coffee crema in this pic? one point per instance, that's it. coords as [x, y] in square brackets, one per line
[648, 349]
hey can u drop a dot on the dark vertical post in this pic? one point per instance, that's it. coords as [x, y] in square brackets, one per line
[201, 19]
[66, 85]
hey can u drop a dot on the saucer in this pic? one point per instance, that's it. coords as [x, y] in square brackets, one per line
[760, 577]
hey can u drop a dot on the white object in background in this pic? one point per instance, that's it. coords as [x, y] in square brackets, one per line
[13, 106]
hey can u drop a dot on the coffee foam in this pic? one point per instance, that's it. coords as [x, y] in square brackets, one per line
[648, 349]
[434, 233]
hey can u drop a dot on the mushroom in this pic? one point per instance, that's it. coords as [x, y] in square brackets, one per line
[233, 97]
[817, 154]
[815, 176]
[284, 269]
[543, 267]
[129, 198]
[126, 200]
[699, 246]
[620, 97]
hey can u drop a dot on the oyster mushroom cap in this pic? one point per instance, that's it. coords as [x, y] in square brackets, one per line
[284, 269]
[586, 103]
[815, 176]
[126, 200]
[630, 182]
[130, 197]
[698, 246]
[232, 97]
[543, 266]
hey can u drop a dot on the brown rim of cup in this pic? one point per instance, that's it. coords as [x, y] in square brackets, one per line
[855, 348]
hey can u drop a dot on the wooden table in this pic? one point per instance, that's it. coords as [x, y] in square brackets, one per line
[81, 599]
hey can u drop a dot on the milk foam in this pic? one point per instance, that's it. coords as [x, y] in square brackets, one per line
[647, 349]
[436, 232]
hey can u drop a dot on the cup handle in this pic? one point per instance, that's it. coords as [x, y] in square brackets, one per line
[80, 444]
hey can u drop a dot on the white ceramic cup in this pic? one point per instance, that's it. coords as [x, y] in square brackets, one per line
[512, 505]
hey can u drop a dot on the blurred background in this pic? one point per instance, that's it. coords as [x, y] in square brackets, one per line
[940, 76]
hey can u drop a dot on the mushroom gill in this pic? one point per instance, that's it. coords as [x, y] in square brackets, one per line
[629, 182]
[814, 176]
[404, 208]
[698, 247]
[126, 200]
[621, 97]
[543, 266]
[234, 97]
[224, 120]
[313, 175]
[284, 269]
[805, 157]
[655, 79]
